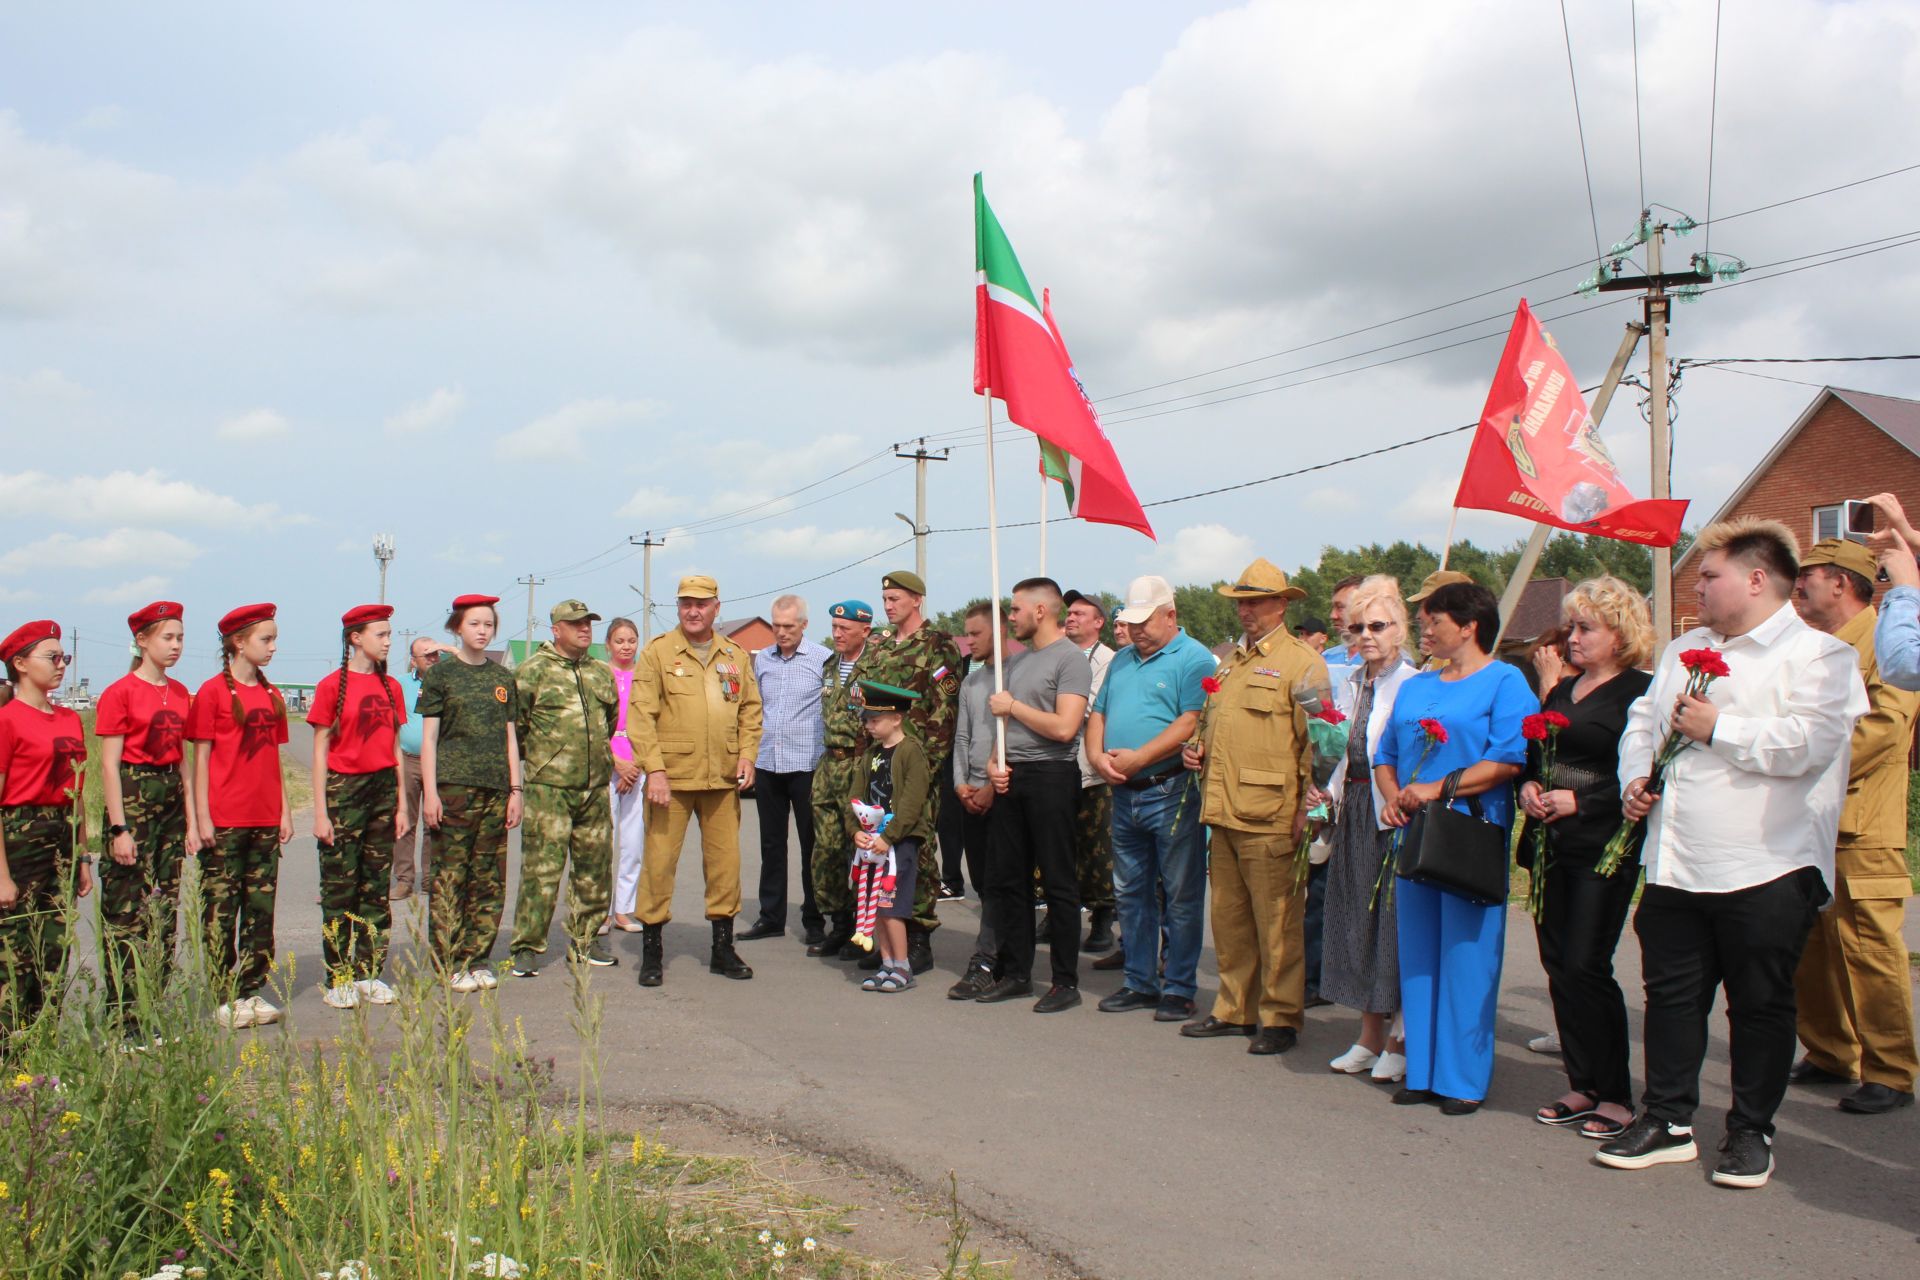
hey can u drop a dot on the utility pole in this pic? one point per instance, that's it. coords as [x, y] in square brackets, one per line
[383, 552]
[646, 542]
[530, 582]
[918, 524]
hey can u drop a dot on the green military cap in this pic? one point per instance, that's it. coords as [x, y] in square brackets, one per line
[1842, 553]
[573, 611]
[878, 697]
[905, 581]
[698, 586]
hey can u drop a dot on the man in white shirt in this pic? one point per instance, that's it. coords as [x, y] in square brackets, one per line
[1739, 843]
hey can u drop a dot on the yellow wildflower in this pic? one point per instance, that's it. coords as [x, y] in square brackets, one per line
[69, 1119]
[217, 1175]
[6, 1192]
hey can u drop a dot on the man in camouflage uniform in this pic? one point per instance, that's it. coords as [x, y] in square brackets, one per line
[1093, 816]
[925, 660]
[833, 778]
[565, 721]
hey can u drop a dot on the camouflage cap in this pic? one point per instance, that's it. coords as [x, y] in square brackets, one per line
[572, 611]
[1434, 581]
[1842, 553]
[904, 580]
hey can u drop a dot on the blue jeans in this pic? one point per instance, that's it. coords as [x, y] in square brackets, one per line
[1160, 879]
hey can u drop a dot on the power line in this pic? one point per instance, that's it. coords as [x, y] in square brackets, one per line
[853, 564]
[1726, 360]
[696, 526]
[1713, 120]
[1824, 191]
[1567, 34]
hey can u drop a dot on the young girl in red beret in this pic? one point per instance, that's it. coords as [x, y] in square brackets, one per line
[359, 805]
[40, 745]
[141, 723]
[238, 723]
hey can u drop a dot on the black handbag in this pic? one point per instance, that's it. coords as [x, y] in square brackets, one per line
[1462, 853]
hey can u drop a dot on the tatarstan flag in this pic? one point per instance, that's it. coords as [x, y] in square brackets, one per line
[1020, 360]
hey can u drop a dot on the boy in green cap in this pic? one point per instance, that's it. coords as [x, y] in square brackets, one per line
[894, 777]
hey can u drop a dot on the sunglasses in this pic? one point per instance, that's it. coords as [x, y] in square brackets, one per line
[57, 659]
[1361, 628]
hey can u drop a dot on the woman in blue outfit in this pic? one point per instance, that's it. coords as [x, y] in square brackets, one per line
[1450, 948]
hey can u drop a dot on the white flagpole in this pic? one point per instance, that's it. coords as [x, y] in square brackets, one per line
[1447, 549]
[1043, 524]
[993, 573]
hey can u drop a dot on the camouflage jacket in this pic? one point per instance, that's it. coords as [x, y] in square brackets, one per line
[928, 662]
[843, 730]
[565, 719]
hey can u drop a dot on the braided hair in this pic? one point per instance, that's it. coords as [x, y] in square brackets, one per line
[229, 649]
[379, 671]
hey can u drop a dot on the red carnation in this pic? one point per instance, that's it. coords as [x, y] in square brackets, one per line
[1555, 720]
[1211, 684]
[1330, 713]
[1706, 662]
[1434, 729]
[1534, 728]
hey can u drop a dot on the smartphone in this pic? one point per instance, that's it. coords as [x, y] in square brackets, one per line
[1857, 519]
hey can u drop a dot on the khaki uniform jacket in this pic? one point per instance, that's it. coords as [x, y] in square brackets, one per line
[1259, 759]
[694, 719]
[566, 714]
[1875, 814]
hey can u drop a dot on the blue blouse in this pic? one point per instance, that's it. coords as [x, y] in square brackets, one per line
[1482, 716]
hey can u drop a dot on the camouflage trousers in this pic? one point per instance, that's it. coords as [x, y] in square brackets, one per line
[36, 931]
[832, 846]
[139, 903]
[1093, 846]
[355, 872]
[469, 876]
[239, 873]
[563, 830]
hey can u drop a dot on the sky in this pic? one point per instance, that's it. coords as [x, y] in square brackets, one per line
[514, 284]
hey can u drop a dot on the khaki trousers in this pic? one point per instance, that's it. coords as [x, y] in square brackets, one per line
[1258, 929]
[718, 812]
[1855, 994]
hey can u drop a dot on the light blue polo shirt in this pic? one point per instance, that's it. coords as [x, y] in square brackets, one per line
[1140, 698]
[412, 734]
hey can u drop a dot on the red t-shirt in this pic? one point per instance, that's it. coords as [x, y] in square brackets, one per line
[37, 753]
[364, 744]
[243, 764]
[152, 719]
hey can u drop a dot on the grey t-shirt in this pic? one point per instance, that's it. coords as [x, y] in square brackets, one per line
[1038, 681]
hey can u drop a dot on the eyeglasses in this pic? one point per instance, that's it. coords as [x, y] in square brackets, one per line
[1361, 628]
[57, 659]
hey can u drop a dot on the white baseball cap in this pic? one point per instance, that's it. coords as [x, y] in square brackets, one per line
[1144, 595]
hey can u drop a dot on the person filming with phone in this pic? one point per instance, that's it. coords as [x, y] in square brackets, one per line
[1894, 543]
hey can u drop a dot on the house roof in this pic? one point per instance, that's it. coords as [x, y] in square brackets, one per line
[1538, 611]
[1899, 418]
[727, 626]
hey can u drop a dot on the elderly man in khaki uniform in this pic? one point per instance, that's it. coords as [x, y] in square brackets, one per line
[694, 724]
[1255, 764]
[1855, 997]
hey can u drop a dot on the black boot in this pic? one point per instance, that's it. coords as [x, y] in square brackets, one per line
[839, 933]
[919, 948]
[726, 961]
[1099, 932]
[650, 965]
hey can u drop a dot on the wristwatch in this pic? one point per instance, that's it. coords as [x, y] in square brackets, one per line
[117, 829]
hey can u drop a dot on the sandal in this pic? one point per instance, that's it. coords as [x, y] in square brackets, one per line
[891, 980]
[1608, 1130]
[872, 984]
[1559, 1114]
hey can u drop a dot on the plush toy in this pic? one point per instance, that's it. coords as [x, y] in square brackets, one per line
[872, 876]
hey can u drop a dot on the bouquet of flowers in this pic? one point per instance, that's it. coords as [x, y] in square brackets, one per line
[1327, 730]
[1543, 728]
[1432, 734]
[1704, 666]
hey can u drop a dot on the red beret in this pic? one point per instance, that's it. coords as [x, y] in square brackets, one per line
[245, 616]
[24, 638]
[361, 614]
[158, 611]
[468, 602]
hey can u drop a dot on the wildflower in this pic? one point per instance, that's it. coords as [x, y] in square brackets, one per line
[218, 1175]
[809, 1244]
[779, 1249]
[765, 1236]
[23, 1081]
[498, 1265]
[6, 1192]
[68, 1119]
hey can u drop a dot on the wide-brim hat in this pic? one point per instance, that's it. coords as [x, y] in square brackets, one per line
[1261, 580]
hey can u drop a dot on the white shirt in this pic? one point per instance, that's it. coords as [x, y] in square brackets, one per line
[1763, 798]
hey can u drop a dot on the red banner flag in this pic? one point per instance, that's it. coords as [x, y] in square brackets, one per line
[1536, 453]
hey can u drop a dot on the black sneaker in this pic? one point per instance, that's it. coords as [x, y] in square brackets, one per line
[1056, 999]
[1173, 1009]
[972, 984]
[1649, 1141]
[1006, 989]
[526, 964]
[1746, 1159]
[1126, 999]
[952, 893]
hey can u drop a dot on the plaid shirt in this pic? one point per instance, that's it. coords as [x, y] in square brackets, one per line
[790, 707]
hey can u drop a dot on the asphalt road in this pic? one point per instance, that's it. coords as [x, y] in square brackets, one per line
[1109, 1141]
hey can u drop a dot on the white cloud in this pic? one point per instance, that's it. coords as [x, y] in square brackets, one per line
[810, 542]
[1202, 553]
[460, 553]
[253, 426]
[561, 436]
[438, 409]
[44, 384]
[136, 498]
[1332, 499]
[113, 549]
[134, 592]
[651, 503]
[10, 596]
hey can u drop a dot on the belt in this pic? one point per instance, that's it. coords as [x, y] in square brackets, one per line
[1144, 781]
[150, 768]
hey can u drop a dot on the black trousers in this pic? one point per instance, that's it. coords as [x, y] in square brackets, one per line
[777, 795]
[1578, 933]
[952, 832]
[1749, 941]
[1030, 826]
[973, 831]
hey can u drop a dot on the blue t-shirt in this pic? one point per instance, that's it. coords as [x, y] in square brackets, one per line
[1482, 716]
[409, 739]
[1141, 698]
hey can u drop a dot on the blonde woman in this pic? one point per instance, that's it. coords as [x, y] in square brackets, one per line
[1359, 965]
[1609, 637]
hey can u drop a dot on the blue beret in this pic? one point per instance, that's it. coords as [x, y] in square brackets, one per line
[852, 611]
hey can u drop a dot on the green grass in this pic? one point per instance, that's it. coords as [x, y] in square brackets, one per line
[1913, 828]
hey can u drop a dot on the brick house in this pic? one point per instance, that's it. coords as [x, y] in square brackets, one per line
[1847, 444]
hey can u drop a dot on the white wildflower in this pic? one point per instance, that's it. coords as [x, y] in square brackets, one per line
[498, 1265]
[809, 1244]
[779, 1249]
[765, 1236]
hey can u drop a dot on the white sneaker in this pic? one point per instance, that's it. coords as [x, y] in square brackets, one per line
[264, 1012]
[464, 982]
[1354, 1060]
[342, 995]
[374, 991]
[1549, 1043]
[235, 1016]
[486, 979]
[1390, 1068]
